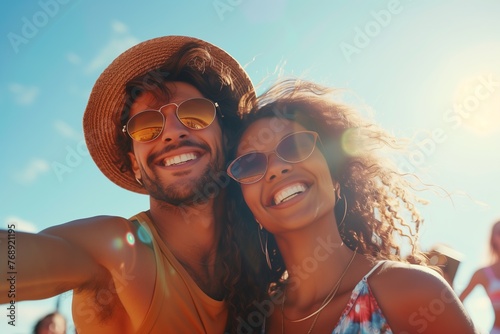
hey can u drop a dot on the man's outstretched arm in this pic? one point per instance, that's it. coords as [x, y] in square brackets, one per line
[37, 266]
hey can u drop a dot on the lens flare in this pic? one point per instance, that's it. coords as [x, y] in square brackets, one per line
[476, 104]
[117, 243]
[130, 239]
[350, 142]
[143, 235]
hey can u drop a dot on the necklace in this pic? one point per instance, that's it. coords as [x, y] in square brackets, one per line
[325, 302]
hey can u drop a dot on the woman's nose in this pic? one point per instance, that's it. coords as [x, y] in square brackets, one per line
[276, 167]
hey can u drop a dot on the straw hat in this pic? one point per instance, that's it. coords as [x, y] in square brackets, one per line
[107, 98]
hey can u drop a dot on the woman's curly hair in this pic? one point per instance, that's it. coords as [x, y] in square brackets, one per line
[376, 212]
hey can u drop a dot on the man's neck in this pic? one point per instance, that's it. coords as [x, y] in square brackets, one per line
[192, 234]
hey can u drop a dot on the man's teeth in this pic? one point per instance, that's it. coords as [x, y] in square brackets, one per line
[179, 159]
[289, 193]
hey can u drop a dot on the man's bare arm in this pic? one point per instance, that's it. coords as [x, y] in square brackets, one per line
[40, 266]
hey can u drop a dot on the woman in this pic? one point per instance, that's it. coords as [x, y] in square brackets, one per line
[327, 211]
[489, 278]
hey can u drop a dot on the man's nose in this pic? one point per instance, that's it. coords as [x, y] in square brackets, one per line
[173, 129]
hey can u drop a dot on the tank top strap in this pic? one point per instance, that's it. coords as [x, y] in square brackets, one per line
[378, 264]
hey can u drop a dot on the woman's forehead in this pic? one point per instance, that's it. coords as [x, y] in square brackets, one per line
[265, 133]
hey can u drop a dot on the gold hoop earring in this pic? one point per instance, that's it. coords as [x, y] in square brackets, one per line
[139, 181]
[337, 194]
[345, 211]
[341, 225]
[263, 247]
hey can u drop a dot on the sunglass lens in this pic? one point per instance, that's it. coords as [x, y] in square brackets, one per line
[145, 126]
[196, 113]
[249, 168]
[296, 147]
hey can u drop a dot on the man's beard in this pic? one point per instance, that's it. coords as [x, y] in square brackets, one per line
[188, 193]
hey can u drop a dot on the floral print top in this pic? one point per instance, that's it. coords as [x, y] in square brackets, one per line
[362, 314]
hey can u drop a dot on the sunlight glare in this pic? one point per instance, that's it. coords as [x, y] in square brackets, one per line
[477, 103]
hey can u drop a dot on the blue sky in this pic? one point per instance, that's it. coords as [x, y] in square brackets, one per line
[423, 69]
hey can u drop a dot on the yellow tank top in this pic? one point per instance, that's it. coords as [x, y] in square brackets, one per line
[178, 305]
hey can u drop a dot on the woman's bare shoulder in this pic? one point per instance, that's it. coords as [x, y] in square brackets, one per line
[415, 297]
[399, 278]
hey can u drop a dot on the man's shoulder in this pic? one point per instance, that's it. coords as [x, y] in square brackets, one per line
[94, 233]
[94, 224]
[104, 221]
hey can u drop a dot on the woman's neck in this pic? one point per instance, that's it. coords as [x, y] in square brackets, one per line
[315, 258]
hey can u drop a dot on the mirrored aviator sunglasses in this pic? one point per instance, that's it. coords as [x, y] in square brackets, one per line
[194, 114]
[293, 148]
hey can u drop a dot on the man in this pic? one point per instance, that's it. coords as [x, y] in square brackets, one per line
[158, 121]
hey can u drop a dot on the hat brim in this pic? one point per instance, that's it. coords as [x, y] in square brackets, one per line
[107, 98]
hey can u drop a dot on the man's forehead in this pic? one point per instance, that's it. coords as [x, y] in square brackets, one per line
[174, 92]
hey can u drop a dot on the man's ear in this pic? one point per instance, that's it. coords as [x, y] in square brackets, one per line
[135, 165]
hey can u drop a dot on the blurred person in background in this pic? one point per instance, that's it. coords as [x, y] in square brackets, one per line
[52, 323]
[489, 277]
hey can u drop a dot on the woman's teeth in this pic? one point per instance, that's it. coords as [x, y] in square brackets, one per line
[289, 193]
